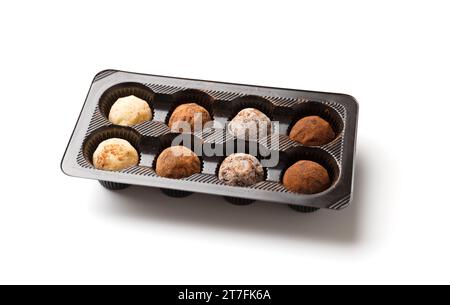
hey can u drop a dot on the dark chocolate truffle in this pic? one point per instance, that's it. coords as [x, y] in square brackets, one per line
[312, 131]
[188, 116]
[306, 177]
[177, 162]
[250, 124]
[241, 170]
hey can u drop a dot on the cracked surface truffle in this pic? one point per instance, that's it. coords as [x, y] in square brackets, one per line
[177, 162]
[312, 131]
[241, 170]
[250, 124]
[114, 155]
[306, 177]
[130, 110]
[186, 117]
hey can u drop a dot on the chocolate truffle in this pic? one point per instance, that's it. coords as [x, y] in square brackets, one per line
[188, 117]
[306, 177]
[312, 131]
[130, 110]
[250, 124]
[241, 170]
[114, 155]
[177, 162]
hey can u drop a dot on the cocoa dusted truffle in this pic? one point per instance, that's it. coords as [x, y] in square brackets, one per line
[312, 131]
[186, 117]
[250, 124]
[114, 155]
[306, 177]
[241, 170]
[177, 162]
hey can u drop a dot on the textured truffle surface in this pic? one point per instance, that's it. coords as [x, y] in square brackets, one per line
[312, 131]
[241, 170]
[177, 162]
[250, 124]
[306, 177]
[114, 155]
[188, 116]
[130, 110]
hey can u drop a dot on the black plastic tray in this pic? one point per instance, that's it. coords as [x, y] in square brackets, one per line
[223, 100]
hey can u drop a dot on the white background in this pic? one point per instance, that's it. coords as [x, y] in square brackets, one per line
[393, 56]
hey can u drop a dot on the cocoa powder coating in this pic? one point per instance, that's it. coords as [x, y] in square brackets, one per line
[188, 115]
[306, 177]
[312, 131]
[177, 162]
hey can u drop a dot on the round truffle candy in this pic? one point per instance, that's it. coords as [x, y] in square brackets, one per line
[312, 131]
[241, 170]
[306, 177]
[188, 117]
[114, 155]
[250, 124]
[130, 110]
[177, 162]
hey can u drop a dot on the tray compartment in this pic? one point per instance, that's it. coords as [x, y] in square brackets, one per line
[314, 108]
[104, 133]
[187, 140]
[110, 96]
[191, 96]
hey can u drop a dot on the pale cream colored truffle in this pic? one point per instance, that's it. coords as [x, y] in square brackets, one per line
[250, 124]
[114, 155]
[130, 110]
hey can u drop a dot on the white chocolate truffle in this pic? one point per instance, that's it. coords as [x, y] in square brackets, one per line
[130, 110]
[250, 124]
[241, 170]
[114, 155]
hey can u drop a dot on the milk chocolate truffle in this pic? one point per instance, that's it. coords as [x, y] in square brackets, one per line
[177, 162]
[249, 124]
[312, 131]
[241, 170]
[306, 177]
[114, 155]
[186, 117]
[130, 110]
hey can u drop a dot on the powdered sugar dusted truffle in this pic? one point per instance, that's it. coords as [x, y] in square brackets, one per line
[114, 155]
[241, 170]
[250, 124]
[130, 110]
